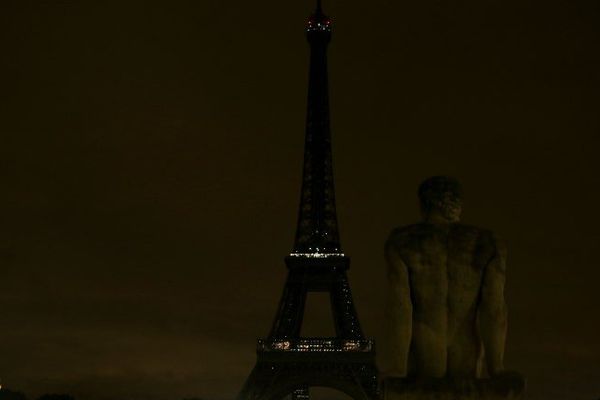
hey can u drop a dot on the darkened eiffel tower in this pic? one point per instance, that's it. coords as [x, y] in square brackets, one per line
[286, 362]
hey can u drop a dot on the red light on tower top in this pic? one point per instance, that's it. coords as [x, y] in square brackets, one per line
[318, 21]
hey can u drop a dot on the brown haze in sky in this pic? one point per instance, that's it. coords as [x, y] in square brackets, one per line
[150, 160]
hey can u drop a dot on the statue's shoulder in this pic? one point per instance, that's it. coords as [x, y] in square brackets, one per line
[404, 234]
[485, 238]
[476, 231]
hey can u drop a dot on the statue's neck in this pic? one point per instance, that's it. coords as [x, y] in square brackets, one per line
[437, 218]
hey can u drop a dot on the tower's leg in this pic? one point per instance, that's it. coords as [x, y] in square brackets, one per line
[344, 313]
[288, 320]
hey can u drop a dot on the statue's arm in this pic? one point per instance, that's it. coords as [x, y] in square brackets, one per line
[492, 310]
[398, 311]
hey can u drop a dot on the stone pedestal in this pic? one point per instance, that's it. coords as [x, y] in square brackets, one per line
[509, 386]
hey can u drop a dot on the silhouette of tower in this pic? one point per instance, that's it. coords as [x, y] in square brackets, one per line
[286, 362]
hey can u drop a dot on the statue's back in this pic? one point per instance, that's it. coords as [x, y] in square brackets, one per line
[445, 264]
[446, 305]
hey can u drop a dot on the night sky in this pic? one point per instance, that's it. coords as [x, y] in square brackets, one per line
[151, 156]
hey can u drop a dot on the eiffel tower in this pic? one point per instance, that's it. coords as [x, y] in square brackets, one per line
[288, 364]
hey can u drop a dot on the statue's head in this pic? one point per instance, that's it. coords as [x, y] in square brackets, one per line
[440, 198]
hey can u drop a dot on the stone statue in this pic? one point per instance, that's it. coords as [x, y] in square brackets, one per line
[446, 309]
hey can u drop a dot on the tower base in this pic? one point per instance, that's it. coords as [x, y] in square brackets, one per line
[276, 377]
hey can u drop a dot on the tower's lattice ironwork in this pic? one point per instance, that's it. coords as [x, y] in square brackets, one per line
[317, 229]
[288, 364]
